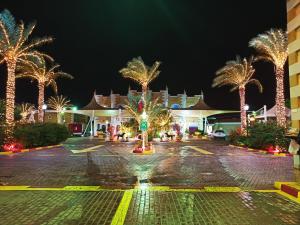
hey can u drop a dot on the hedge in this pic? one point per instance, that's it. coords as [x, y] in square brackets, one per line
[38, 134]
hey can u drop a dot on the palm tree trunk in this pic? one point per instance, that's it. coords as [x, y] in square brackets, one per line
[10, 93]
[145, 135]
[242, 108]
[10, 99]
[41, 86]
[280, 101]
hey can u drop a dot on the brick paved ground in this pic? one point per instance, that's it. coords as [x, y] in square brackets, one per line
[57, 208]
[146, 207]
[174, 164]
[113, 165]
[173, 208]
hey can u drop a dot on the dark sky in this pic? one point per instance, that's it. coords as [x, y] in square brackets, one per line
[192, 38]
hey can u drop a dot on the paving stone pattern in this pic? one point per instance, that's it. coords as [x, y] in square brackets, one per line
[178, 208]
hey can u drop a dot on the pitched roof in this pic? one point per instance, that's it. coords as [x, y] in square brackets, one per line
[93, 105]
[200, 105]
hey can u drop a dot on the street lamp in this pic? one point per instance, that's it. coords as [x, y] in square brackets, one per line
[44, 107]
[246, 108]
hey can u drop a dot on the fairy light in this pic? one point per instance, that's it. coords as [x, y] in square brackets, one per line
[45, 76]
[14, 49]
[58, 103]
[272, 46]
[26, 110]
[238, 73]
[137, 71]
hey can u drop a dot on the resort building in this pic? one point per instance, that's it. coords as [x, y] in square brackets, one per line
[190, 112]
[293, 29]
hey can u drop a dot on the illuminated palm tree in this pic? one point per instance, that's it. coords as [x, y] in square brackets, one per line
[26, 110]
[272, 46]
[141, 73]
[238, 74]
[45, 76]
[14, 48]
[58, 103]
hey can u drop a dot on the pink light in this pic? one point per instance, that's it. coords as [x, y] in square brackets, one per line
[13, 147]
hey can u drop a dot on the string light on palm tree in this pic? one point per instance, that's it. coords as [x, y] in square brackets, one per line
[272, 46]
[143, 75]
[59, 104]
[44, 75]
[15, 47]
[238, 73]
[26, 110]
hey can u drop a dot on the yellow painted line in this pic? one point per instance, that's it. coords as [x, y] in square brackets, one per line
[222, 189]
[91, 149]
[6, 153]
[120, 215]
[200, 150]
[25, 150]
[290, 197]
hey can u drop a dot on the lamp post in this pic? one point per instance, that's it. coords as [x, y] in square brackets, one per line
[144, 127]
[246, 108]
[44, 107]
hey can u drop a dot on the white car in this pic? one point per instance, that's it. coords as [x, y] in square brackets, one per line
[218, 134]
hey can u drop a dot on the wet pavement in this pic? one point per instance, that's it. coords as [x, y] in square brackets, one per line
[186, 167]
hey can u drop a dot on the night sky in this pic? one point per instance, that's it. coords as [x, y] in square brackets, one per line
[192, 39]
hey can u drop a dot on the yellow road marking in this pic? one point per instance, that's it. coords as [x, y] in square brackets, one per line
[6, 153]
[222, 189]
[120, 215]
[290, 197]
[91, 149]
[200, 150]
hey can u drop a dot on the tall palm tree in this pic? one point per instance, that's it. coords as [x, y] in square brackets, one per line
[58, 103]
[272, 46]
[238, 73]
[143, 75]
[45, 76]
[15, 47]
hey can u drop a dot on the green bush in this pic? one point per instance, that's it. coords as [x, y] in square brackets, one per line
[236, 138]
[263, 135]
[40, 134]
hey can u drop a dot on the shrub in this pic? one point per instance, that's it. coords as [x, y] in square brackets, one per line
[40, 134]
[236, 138]
[263, 135]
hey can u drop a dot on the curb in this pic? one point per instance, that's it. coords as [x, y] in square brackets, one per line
[31, 149]
[290, 188]
[262, 151]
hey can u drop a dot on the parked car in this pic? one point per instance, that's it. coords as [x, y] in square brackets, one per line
[218, 134]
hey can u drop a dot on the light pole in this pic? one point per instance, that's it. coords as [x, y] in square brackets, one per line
[246, 108]
[144, 127]
[44, 107]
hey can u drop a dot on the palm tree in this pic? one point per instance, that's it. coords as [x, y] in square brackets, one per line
[143, 75]
[14, 48]
[45, 76]
[272, 46]
[238, 73]
[26, 110]
[58, 103]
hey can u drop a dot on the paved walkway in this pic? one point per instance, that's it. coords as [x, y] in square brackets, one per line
[196, 182]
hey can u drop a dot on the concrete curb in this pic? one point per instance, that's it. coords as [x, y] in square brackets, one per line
[290, 188]
[31, 149]
[261, 151]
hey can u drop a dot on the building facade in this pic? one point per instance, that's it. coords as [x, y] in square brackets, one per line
[293, 29]
[190, 112]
